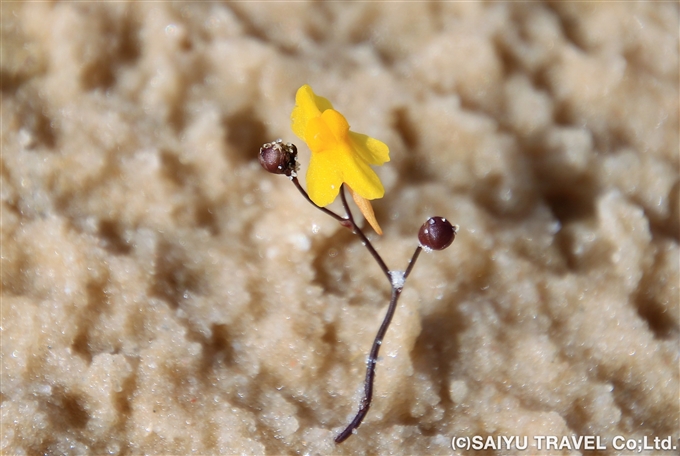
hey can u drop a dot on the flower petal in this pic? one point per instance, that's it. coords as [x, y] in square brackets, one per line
[370, 149]
[323, 178]
[307, 106]
[358, 175]
[319, 137]
[337, 124]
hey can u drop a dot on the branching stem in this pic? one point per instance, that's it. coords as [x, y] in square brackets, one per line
[397, 287]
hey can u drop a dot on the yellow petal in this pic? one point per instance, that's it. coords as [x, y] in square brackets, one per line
[358, 175]
[323, 179]
[370, 149]
[307, 106]
[366, 209]
[319, 137]
[337, 124]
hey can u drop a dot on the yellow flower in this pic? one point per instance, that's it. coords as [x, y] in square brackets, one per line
[338, 154]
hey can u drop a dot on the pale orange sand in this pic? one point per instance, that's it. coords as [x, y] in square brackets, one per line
[162, 294]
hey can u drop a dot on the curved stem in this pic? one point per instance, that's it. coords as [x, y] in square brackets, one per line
[373, 356]
[363, 237]
[322, 209]
[370, 369]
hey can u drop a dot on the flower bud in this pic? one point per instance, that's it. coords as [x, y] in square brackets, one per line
[436, 234]
[279, 158]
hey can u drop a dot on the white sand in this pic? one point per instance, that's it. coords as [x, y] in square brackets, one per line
[162, 294]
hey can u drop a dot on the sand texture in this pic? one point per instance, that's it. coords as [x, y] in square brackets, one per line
[163, 294]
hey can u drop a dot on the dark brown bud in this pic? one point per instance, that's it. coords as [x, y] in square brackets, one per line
[436, 234]
[279, 158]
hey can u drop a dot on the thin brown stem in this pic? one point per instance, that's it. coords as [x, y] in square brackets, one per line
[396, 283]
[412, 261]
[373, 357]
[322, 209]
[363, 237]
[370, 369]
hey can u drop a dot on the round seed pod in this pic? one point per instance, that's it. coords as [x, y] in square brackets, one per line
[279, 158]
[436, 234]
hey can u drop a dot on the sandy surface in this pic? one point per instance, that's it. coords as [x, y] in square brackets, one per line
[162, 294]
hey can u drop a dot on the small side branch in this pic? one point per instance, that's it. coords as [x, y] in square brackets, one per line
[322, 209]
[363, 237]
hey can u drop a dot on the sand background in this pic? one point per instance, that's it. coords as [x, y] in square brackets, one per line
[162, 294]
